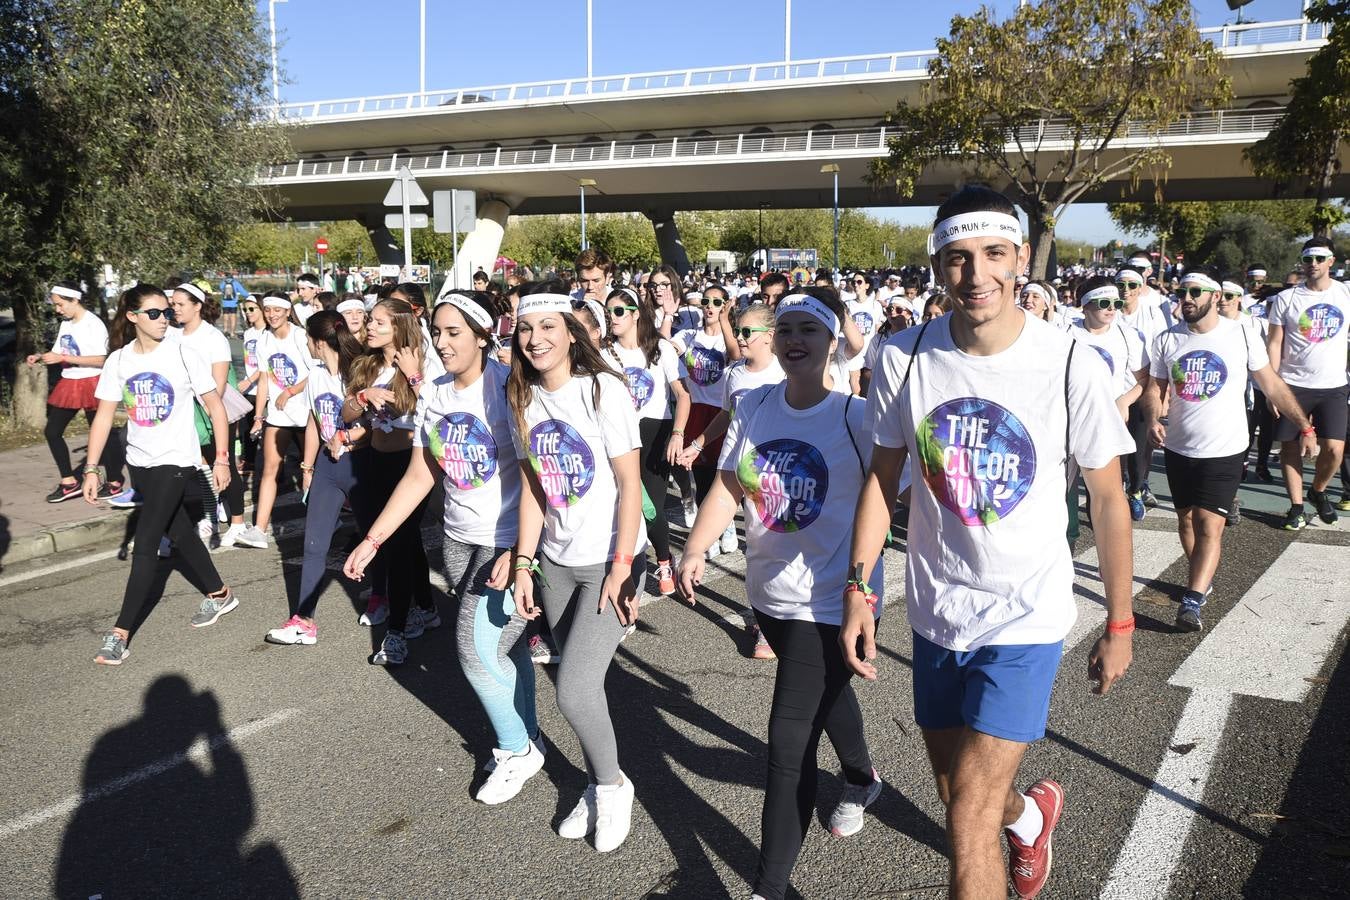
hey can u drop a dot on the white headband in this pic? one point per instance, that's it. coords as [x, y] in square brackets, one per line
[975, 225]
[632, 294]
[276, 302]
[1256, 273]
[598, 312]
[192, 290]
[1129, 275]
[1318, 251]
[543, 303]
[470, 309]
[352, 305]
[805, 303]
[1199, 279]
[1034, 288]
[1105, 292]
[1230, 287]
[68, 293]
[1142, 262]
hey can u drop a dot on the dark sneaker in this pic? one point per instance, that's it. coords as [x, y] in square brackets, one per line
[1295, 519]
[64, 492]
[1029, 864]
[1263, 474]
[1136, 506]
[1322, 503]
[1188, 616]
[393, 650]
[1234, 516]
[114, 650]
[109, 490]
[1149, 500]
[213, 608]
[542, 652]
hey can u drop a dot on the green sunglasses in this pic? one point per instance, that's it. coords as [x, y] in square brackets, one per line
[1108, 303]
[1195, 293]
[745, 331]
[712, 301]
[619, 312]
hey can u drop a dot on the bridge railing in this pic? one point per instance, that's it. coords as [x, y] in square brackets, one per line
[1234, 38]
[823, 141]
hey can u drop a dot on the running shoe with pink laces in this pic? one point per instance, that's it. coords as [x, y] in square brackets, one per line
[295, 631]
[1029, 864]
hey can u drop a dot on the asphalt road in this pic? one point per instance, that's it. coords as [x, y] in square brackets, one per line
[213, 764]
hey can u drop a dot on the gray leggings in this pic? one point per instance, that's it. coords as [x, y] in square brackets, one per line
[587, 641]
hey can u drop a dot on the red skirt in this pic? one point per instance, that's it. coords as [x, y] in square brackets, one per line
[74, 393]
[700, 417]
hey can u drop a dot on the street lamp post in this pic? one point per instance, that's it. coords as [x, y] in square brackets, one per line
[422, 50]
[583, 184]
[763, 253]
[272, 21]
[832, 169]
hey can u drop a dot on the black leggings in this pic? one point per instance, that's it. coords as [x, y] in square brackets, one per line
[1264, 426]
[409, 575]
[58, 419]
[811, 695]
[1137, 464]
[655, 436]
[163, 490]
[234, 491]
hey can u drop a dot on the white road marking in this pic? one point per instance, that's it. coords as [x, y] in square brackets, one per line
[199, 751]
[1154, 551]
[52, 570]
[1267, 646]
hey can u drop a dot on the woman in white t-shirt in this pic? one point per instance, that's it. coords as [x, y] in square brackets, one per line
[383, 386]
[796, 454]
[577, 437]
[328, 476]
[464, 439]
[157, 380]
[80, 348]
[194, 313]
[648, 364]
[251, 310]
[283, 358]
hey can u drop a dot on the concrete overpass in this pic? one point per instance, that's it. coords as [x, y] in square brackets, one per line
[720, 138]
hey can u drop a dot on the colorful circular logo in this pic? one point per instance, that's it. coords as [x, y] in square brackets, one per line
[640, 385]
[284, 372]
[251, 355]
[563, 461]
[1199, 375]
[148, 397]
[787, 481]
[466, 450]
[327, 412]
[68, 345]
[1106, 357]
[864, 322]
[704, 364]
[977, 459]
[1321, 322]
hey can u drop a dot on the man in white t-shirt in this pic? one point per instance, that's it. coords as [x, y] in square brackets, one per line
[1199, 369]
[1306, 340]
[992, 404]
[1149, 321]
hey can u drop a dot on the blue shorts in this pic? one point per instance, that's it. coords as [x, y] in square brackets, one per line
[1001, 690]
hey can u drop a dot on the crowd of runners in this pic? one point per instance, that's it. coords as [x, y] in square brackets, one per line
[555, 416]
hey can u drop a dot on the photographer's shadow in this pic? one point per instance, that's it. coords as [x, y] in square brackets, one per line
[165, 809]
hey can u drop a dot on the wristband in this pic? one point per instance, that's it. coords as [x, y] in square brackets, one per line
[361, 399]
[623, 559]
[218, 462]
[675, 431]
[222, 456]
[1124, 626]
[1310, 431]
[372, 541]
[306, 467]
[532, 566]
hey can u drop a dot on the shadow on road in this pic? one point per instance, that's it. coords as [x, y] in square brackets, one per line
[152, 823]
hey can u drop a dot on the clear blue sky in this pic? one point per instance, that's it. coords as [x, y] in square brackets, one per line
[351, 48]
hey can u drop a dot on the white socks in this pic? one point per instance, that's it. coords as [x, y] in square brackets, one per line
[1028, 825]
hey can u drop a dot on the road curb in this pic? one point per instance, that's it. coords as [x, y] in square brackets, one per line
[74, 536]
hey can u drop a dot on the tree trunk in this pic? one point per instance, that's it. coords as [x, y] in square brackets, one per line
[30, 382]
[1042, 238]
[1321, 218]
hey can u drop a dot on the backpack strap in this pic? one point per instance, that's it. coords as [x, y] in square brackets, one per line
[852, 440]
[910, 365]
[1068, 363]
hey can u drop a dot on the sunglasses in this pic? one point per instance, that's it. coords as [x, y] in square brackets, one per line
[250, 309]
[1108, 303]
[1129, 285]
[1230, 296]
[660, 285]
[859, 281]
[745, 331]
[619, 312]
[1311, 260]
[154, 314]
[711, 301]
[1195, 293]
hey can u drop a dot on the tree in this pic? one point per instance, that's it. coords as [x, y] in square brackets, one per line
[1186, 225]
[1304, 146]
[130, 133]
[1238, 239]
[1040, 103]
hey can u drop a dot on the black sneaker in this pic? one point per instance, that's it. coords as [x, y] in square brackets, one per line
[1188, 616]
[1322, 503]
[1294, 520]
[64, 492]
[1263, 475]
[109, 490]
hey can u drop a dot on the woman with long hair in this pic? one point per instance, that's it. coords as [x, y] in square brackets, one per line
[796, 455]
[463, 437]
[157, 380]
[80, 348]
[326, 465]
[283, 354]
[383, 385]
[649, 364]
[254, 326]
[581, 529]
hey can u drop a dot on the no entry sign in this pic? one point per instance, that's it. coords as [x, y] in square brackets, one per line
[321, 246]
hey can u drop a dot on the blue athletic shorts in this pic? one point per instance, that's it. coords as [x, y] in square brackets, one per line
[1001, 690]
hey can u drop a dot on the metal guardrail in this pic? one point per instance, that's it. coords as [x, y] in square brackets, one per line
[1227, 37]
[824, 142]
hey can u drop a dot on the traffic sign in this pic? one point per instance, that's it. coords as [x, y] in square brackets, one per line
[395, 196]
[415, 220]
[321, 246]
[454, 211]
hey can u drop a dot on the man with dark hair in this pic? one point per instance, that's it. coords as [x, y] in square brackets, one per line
[991, 406]
[773, 287]
[595, 274]
[1307, 345]
[480, 280]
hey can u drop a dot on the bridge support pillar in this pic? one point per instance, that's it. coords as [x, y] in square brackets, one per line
[668, 240]
[387, 250]
[482, 245]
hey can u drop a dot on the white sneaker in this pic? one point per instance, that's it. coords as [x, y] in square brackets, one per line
[581, 820]
[221, 514]
[715, 550]
[295, 631]
[690, 512]
[232, 534]
[613, 814]
[730, 543]
[252, 536]
[206, 530]
[509, 774]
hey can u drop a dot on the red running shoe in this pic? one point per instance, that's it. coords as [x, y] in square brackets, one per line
[1029, 864]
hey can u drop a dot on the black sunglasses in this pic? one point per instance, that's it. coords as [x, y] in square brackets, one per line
[1195, 293]
[1108, 303]
[1230, 296]
[154, 314]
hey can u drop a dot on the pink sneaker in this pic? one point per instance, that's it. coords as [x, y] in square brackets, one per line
[377, 610]
[1029, 864]
[295, 631]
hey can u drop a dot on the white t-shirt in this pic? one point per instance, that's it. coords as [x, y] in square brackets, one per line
[468, 432]
[740, 380]
[802, 474]
[251, 338]
[648, 385]
[1313, 353]
[87, 337]
[209, 343]
[988, 563]
[1207, 414]
[1121, 348]
[157, 389]
[570, 443]
[383, 418]
[286, 363]
[703, 360]
[324, 394]
[1147, 319]
[867, 315]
